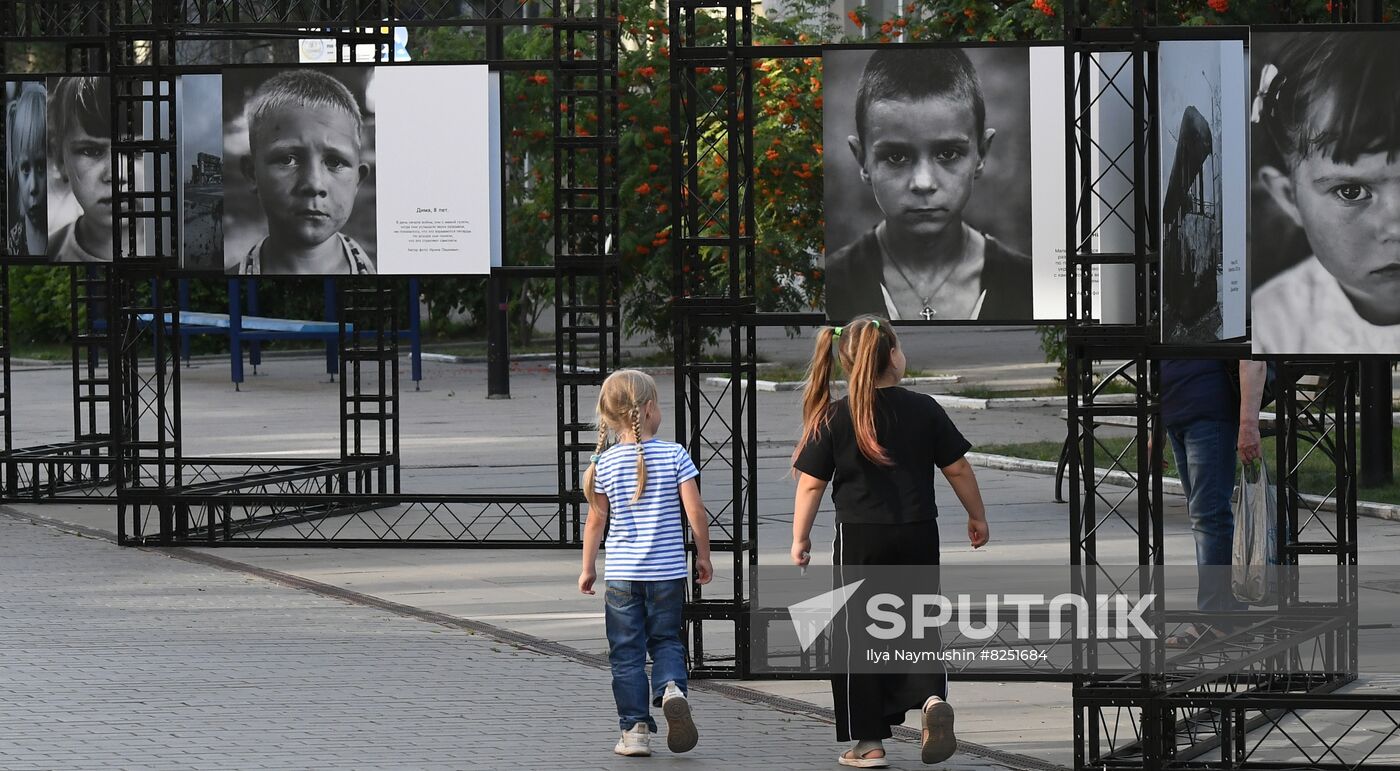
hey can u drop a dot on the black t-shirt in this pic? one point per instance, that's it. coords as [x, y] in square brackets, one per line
[916, 434]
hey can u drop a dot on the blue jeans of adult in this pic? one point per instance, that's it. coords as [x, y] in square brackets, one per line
[644, 617]
[1206, 461]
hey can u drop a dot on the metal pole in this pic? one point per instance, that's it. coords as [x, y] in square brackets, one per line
[497, 306]
[497, 341]
[1377, 417]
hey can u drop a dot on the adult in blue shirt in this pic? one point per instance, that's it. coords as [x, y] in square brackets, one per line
[1209, 426]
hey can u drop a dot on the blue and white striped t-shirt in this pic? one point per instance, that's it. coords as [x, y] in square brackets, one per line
[645, 541]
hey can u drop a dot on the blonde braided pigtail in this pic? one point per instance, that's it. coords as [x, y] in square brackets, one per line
[588, 476]
[641, 453]
[620, 402]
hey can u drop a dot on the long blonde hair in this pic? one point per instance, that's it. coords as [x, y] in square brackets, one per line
[865, 347]
[619, 414]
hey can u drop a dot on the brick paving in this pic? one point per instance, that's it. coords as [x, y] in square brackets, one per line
[120, 658]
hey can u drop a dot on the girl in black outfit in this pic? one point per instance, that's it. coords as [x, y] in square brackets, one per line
[880, 444]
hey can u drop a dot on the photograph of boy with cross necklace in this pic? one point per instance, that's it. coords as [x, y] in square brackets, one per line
[941, 247]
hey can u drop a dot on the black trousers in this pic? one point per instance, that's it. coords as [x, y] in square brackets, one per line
[869, 705]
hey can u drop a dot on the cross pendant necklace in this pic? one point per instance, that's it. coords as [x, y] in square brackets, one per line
[926, 300]
[928, 312]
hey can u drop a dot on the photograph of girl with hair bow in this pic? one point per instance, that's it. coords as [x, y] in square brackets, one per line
[1326, 156]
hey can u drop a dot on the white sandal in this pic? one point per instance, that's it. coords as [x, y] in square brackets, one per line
[851, 758]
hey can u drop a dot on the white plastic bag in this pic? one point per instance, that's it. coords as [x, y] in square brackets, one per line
[1254, 576]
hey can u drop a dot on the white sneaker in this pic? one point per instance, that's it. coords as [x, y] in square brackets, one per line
[681, 735]
[634, 743]
[938, 742]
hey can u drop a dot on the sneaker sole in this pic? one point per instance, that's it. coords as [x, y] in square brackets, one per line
[941, 743]
[637, 753]
[681, 735]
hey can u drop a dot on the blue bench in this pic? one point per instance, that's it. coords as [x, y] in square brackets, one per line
[252, 330]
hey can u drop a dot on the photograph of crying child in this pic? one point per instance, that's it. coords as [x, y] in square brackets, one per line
[80, 187]
[1325, 233]
[927, 184]
[301, 142]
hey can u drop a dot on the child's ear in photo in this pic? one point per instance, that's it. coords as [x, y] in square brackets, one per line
[984, 146]
[1279, 186]
[858, 151]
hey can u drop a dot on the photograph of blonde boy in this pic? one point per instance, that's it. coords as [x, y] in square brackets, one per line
[927, 184]
[301, 201]
[26, 170]
[1325, 231]
[80, 182]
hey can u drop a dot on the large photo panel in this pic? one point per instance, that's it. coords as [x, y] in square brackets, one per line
[1202, 106]
[341, 170]
[1325, 224]
[936, 208]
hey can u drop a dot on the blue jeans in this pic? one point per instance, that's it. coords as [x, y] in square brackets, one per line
[642, 617]
[1206, 462]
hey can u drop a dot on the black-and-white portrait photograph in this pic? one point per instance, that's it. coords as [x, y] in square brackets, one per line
[26, 170]
[1325, 224]
[80, 169]
[928, 193]
[298, 160]
[1202, 104]
[200, 125]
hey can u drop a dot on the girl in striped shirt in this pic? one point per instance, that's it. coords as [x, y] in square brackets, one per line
[643, 484]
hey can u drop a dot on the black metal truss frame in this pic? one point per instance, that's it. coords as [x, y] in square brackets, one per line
[1255, 700]
[1242, 700]
[720, 429]
[132, 322]
[80, 468]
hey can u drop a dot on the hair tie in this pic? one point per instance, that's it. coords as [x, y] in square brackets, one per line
[876, 322]
[1269, 85]
[836, 331]
[593, 458]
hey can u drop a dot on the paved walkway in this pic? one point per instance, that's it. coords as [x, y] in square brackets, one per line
[131, 659]
[166, 659]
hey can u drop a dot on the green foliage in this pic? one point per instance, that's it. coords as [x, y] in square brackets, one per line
[786, 168]
[1052, 342]
[39, 305]
[527, 138]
